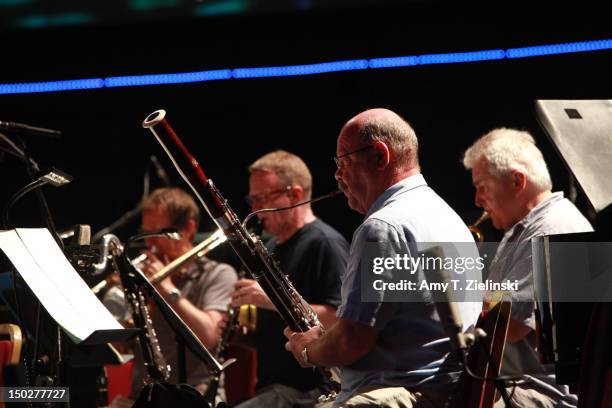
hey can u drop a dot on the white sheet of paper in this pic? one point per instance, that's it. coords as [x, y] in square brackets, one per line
[58, 286]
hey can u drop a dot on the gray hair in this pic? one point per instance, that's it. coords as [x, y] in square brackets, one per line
[506, 150]
[396, 133]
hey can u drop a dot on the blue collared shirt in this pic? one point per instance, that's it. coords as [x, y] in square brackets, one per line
[412, 347]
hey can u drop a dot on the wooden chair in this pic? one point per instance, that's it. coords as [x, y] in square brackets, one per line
[240, 377]
[119, 380]
[595, 385]
[473, 393]
[10, 350]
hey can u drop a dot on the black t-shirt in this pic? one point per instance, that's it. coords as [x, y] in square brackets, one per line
[314, 259]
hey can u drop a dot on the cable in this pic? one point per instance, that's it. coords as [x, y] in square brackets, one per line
[264, 210]
[17, 152]
[7, 208]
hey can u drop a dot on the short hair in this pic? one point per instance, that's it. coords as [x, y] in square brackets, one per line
[290, 169]
[181, 206]
[396, 133]
[506, 150]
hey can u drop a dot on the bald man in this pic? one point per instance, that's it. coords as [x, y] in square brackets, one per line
[392, 349]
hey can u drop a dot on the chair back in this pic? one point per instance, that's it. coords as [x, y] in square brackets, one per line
[10, 351]
[474, 393]
[240, 377]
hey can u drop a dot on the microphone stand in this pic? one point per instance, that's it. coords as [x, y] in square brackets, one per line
[121, 221]
[31, 169]
[125, 218]
[42, 201]
[135, 212]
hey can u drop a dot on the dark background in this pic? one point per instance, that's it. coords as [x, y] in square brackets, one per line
[228, 124]
[53, 13]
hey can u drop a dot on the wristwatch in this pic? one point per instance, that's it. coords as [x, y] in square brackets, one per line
[174, 295]
[305, 357]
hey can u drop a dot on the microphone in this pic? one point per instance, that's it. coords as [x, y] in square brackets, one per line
[161, 173]
[29, 130]
[314, 200]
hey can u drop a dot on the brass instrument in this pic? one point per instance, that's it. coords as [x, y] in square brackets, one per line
[196, 252]
[478, 235]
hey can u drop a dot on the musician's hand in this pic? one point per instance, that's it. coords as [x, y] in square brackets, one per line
[297, 342]
[248, 292]
[151, 266]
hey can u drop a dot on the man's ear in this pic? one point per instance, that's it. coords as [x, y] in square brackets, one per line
[383, 154]
[297, 193]
[519, 180]
[189, 229]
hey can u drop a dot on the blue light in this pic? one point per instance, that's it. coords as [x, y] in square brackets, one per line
[221, 7]
[308, 69]
[159, 79]
[52, 86]
[13, 3]
[461, 57]
[554, 49]
[393, 62]
[151, 4]
[38, 21]
[293, 70]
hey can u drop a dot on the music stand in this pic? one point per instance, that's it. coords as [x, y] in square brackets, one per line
[44, 268]
[581, 132]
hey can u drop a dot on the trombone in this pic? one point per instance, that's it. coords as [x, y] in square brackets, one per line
[196, 252]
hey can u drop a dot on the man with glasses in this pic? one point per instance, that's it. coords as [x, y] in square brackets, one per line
[199, 293]
[392, 350]
[312, 254]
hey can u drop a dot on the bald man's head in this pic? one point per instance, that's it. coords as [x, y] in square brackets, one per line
[390, 128]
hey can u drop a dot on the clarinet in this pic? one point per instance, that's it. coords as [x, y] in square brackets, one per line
[157, 369]
[255, 257]
[232, 321]
[228, 331]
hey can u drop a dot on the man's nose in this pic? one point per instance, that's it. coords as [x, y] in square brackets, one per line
[338, 174]
[479, 200]
[256, 205]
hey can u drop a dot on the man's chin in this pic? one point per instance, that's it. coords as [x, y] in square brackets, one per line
[267, 229]
[352, 203]
[497, 224]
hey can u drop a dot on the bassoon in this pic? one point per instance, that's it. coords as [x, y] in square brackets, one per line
[255, 257]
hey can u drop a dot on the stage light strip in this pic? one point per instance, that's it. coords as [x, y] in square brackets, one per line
[308, 69]
[461, 57]
[51, 86]
[394, 62]
[295, 70]
[567, 48]
[159, 79]
[428, 59]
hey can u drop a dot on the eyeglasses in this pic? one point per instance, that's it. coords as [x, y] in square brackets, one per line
[142, 230]
[263, 197]
[340, 163]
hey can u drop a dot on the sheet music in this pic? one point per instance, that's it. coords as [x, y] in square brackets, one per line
[58, 286]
